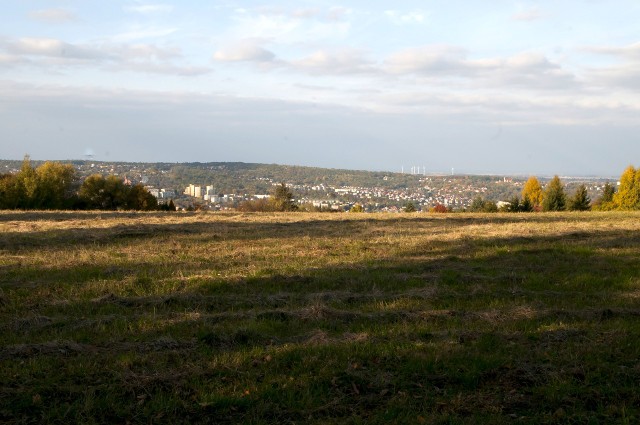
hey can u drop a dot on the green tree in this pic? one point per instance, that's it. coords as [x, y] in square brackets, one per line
[410, 207]
[533, 191]
[139, 198]
[56, 186]
[357, 208]
[580, 200]
[50, 186]
[513, 205]
[554, 197]
[489, 207]
[526, 205]
[27, 183]
[628, 195]
[477, 205]
[282, 199]
[9, 192]
[607, 193]
[98, 192]
[605, 203]
[480, 205]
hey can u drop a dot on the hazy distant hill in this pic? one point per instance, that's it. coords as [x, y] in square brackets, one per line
[247, 178]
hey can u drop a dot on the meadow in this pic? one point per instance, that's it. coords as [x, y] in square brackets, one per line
[319, 318]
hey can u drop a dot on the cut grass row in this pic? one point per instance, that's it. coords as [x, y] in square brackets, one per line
[275, 318]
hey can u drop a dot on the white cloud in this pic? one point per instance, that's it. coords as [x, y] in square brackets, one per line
[528, 15]
[621, 75]
[244, 51]
[144, 33]
[631, 51]
[289, 27]
[7, 60]
[150, 8]
[528, 69]
[338, 13]
[617, 77]
[145, 51]
[49, 52]
[344, 61]
[400, 18]
[307, 13]
[163, 68]
[433, 59]
[54, 16]
[49, 47]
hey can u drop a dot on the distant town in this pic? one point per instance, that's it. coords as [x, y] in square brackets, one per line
[223, 186]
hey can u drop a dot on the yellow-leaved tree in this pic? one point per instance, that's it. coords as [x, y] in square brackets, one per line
[532, 191]
[628, 195]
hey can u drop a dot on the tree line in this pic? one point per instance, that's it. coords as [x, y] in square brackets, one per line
[281, 199]
[55, 186]
[554, 197]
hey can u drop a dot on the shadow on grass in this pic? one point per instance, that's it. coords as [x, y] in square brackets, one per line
[495, 329]
[230, 228]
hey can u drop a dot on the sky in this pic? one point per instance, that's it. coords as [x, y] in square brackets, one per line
[502, 87]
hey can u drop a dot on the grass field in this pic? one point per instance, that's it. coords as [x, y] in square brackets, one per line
[319, 318]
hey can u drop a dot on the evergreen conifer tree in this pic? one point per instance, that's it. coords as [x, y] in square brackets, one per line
[580, 200]
[409, 208]
[554, 197]
[607, 193]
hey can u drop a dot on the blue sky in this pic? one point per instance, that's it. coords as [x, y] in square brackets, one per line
[527, 87]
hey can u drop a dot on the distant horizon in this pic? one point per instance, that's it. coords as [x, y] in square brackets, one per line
[427, 174]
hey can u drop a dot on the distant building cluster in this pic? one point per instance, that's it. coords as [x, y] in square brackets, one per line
[162, 193]
[209, 195]
[205, 193]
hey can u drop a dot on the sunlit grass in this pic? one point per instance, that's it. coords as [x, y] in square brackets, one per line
[349, 318]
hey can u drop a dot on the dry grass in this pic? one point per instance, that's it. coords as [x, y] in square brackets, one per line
[319, 318]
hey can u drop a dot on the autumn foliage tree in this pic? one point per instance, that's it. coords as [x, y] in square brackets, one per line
[50, 186]
[628, 195]
[533, 192]
[56, 186]
[439, 208]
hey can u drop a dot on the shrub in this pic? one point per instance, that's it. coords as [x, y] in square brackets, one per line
[439, 208]
[409, 207]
